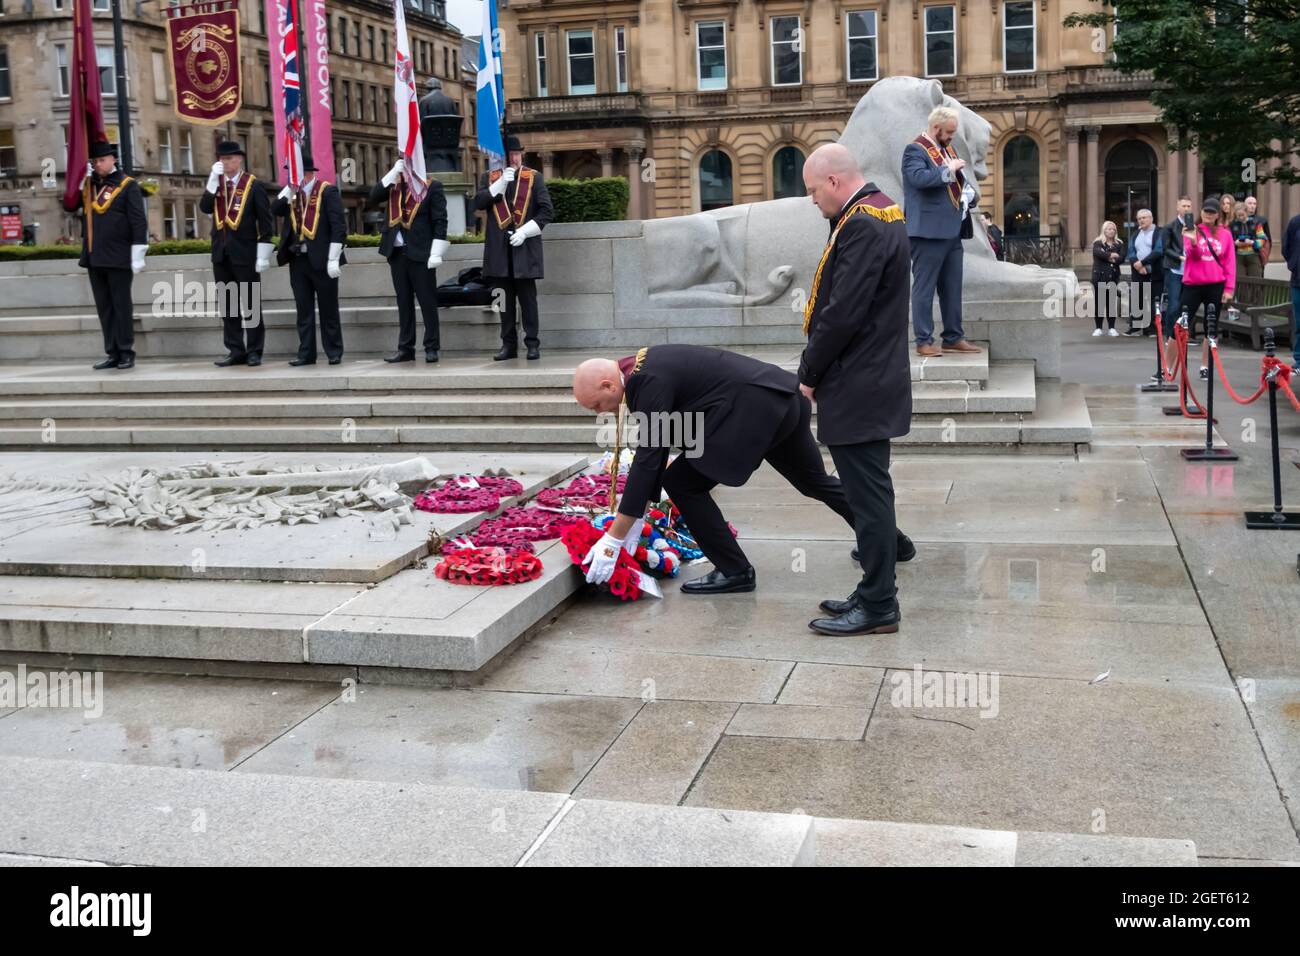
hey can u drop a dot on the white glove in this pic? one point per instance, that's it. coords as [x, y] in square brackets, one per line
[285, 193]
[263, 256]
[604, 558]
[632, 540]
[336, 249]
[137, 258]
[439, 247]
[525, 232]
[90, 171]
[390, 177]
[505, 179]
[214, 177]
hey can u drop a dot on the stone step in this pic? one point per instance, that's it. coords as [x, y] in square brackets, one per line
[121, 814]
[1010, 388]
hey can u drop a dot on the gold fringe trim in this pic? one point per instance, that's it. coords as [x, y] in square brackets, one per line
[890, 213]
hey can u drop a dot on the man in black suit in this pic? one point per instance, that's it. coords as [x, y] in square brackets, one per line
[114, 240]
[241, 250]
[729, 413]
[312, 246]
[856, 368]
[519, 207]
[414, 241]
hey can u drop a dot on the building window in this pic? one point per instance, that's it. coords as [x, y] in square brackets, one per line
[383, 45]
[343, 35]
[711, 55]
[102, 5]
[582, 62]
[356, 38]
[266, 86]
[620, 58]
[161, 81]
[108, 70]
[187, 151]
[8, 153]
[6, 91]
[715, 180]
[169, 220]
[860, 28]
[787, 55]
[787, 173]
[539, 43]
[191, 220]
[1020, 187]
[940, 41]
[388, 106]
[61, 66]
[374, 104]
[164, 149]
[370, 41]
[1018, 36]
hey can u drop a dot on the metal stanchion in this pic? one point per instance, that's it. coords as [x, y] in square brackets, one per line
[1158, 383]
[1277, 519]
[1184, 320]
[1209, 452]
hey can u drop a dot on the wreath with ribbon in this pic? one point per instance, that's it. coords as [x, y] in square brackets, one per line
[488, 567]
[464, 494]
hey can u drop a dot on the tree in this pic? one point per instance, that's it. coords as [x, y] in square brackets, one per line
[1227, 75]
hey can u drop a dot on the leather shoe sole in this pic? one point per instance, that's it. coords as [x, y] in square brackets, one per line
[928, 351]
[827, 626]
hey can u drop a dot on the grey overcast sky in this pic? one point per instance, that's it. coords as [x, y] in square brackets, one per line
[466, 16]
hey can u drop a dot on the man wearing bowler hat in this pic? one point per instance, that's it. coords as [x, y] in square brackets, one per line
[519, 207]
[312, 246]
[241, 250]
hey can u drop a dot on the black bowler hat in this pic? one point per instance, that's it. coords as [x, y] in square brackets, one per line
[102, 149]
[513, 145]
[308, 164]
[229, 148]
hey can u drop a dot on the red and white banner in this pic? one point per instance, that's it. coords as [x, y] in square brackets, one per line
[406, 103]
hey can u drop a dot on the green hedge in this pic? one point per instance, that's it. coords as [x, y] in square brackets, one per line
[170, 247]
[589, 200]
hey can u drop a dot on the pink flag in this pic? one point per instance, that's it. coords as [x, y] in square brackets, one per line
[406, 104]
[316, 70]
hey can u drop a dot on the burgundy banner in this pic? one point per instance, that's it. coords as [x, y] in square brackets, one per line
[203, 39]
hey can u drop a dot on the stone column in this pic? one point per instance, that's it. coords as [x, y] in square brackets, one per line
[1174, 181]
[1092, 173]
[634, 207]
[1194, 181]
[1074, 239]
[606, 161]
[548, 163]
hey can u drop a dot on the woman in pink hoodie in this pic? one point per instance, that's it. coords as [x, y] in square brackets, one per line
[1209, 271]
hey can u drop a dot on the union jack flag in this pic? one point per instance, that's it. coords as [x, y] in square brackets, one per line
[294, 127]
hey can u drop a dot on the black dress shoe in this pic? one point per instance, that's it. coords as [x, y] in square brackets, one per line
[254, 361]
[534, 354]
[431, 355]
[107, 363]
[715, 582]
[856, 621]
[504, 354]
[230, 360]
[400, 357]
[301, 361]
[336, 359]
[126, 363]
[836, 608]
[906, 551]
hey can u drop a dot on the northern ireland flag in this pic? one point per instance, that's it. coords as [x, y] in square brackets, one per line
[407, 106]
[491, 98]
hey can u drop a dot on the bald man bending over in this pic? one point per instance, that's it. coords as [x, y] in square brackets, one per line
[743, 412]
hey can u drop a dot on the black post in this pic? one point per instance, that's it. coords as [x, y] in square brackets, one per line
[1158, 383]
[1209, 452]
[1185, 321]
[1277, 519]
[119, 76]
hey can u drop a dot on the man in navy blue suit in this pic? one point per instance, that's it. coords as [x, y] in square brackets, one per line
[937, 201]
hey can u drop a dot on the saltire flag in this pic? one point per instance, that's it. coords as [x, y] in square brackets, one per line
[291, 147]
[490, 94]
[406, 105]
[86, 116]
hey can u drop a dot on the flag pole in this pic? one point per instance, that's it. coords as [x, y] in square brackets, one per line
[304, 99]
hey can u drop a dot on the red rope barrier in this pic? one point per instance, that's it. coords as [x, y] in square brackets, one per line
[1180, 337]
[1263, 379]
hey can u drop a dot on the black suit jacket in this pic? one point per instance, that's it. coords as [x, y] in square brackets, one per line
[430, 223]
[857, 353]
[333, 228]
[742, 403]
[496, 246]
[239, 245]
[114, 231]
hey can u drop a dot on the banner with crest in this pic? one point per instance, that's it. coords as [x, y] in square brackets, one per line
[203, 54]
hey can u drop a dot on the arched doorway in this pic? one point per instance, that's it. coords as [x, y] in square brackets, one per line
[1020, 190]
[787, 173]
[1130, 186]
[715, 180]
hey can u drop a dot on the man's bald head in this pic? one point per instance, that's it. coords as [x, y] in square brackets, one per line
[831, 176]
[598, 385]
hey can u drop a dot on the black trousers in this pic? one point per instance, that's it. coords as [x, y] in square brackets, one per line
[236, 300]
[112, 291]
[412, 280]
[524, 291]
[1144, 293]
[311, 287]
[864, 471]
[1195, 296]
[795, 456]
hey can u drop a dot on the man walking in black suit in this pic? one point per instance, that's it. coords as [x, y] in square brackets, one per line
[114, 240]
[241, 250]
[519, 208]
[312, 246]
[742, 412]
[414, 241]
[856, 368]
